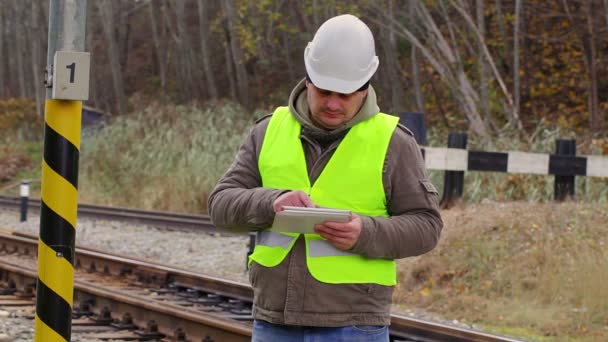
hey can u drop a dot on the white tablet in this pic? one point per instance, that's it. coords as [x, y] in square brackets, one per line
[303, 220]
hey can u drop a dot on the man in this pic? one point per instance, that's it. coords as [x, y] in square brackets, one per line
[330, 148]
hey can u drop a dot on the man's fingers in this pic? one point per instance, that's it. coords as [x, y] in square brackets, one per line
[305, 200]
[334, 233]
[341, 226]
[292, 198]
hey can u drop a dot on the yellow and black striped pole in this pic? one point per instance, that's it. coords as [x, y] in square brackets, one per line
[67, 85]
[58, 220]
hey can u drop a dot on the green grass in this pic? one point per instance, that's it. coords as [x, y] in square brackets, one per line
[168, 157]
[162, 157]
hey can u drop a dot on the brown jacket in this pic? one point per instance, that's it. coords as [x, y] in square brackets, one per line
[287, 293]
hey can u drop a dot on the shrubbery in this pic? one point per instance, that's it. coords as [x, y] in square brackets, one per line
[164, 157]
[19, 120]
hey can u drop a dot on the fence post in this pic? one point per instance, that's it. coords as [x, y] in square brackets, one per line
[453, 185]
[415, 123]
[564, 184]
[24, 192]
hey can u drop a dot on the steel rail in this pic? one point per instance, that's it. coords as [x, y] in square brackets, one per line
[114, 264]
[196, 324]
[155, 218]
[402, 328]
[408, 328]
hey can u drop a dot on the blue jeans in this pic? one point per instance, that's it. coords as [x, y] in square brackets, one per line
[267, 332]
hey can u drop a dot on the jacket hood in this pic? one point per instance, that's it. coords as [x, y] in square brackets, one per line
[298, 105]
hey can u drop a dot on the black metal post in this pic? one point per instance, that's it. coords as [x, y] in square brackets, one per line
[564, 184]
[453, 185]
[25, 194]
[415, 123]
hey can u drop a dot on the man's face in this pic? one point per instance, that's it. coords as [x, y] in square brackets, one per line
[331, 110]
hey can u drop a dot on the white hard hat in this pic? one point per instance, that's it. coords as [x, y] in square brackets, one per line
[342, 55]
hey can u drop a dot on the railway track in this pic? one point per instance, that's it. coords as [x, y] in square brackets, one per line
[155, 218]
[151, 301]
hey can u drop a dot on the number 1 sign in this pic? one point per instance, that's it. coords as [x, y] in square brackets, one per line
[71, 75]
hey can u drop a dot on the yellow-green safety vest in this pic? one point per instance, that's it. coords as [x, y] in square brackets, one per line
[351, 180]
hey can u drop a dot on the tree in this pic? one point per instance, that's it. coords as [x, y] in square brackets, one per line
[184, 65]
[484, 103]
[20, 47]
[107, 20]
[587, 32]
[36, 60]
[203, 25]
[238, 59]
[411, 18]
[391, 63]
[445, 60]
[516, 53]
[3, 57]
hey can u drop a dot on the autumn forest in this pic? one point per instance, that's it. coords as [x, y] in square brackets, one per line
[483, 66]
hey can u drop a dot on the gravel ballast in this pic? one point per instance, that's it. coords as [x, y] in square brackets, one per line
[215, 255]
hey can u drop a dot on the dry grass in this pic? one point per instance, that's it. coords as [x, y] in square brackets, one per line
[507, 266]
[164, 157]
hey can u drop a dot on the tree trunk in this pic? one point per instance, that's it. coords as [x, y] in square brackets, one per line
[107, 23]
[124, 29]
[203, 10]
[165, 43]
[20, 46]
[596, 122]
[415, 63]
[93, 89]
[503, 30]
[484, 101]
[588, 35]
[514, 114]
[315, 15]
[304, 23]
[389, 46]
[237, 54]
[184, 63]
[2, 58]
[606, 12]
[448, 65]
[159, 48]
[230, 69]
[288, 59]
[36, 58]
[516, 80]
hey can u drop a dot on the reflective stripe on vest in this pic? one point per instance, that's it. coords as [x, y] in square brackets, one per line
[352, 180]
[272, 239]
[271, 248]
[322, 248]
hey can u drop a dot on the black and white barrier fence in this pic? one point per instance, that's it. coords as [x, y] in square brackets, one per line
[564, 164]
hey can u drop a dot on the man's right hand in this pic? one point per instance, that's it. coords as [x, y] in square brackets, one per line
[293, 199]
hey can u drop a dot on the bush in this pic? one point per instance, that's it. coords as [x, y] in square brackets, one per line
[19, 121]
[163, 157]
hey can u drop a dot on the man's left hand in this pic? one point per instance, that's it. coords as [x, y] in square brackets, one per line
[342, 235]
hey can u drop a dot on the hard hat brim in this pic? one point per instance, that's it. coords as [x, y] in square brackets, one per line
[339, 85]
